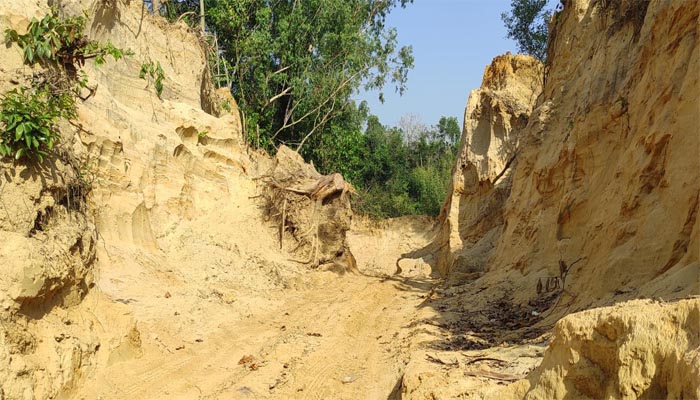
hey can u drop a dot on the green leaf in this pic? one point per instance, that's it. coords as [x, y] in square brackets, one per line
[29, 54]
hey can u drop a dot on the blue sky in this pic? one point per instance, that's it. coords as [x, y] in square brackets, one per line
[453, 40]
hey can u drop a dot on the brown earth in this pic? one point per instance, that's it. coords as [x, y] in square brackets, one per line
[149, 258]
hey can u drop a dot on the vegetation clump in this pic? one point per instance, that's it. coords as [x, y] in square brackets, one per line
[295, 66]
[398, 170]
[152, 71]
[29, 114]
[528, 24]
[54, 41]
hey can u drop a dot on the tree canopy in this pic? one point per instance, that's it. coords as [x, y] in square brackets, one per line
[295, 64]
[396, 170]
[527, 24]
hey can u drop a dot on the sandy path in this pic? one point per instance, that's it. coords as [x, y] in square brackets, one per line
[339, 340]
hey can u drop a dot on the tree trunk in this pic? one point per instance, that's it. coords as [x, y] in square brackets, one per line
[201, 14]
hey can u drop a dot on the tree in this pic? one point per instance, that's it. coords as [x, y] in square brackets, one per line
[527, 24]
[297, 63]
[412, 126]
[343, 146]
[449, 131]
[405, 169]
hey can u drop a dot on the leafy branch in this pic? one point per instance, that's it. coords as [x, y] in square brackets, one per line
[156, 74]
[29, 114]
[59, 41]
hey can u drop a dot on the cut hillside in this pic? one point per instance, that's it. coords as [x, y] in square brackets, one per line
[591, 200]
[167, 269]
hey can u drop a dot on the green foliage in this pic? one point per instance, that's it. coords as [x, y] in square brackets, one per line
[448, 128]
[296, 64]
[29, 114]
[527, 24]
[29, 119]
[395, 173]
[153, 72]
[55, 40]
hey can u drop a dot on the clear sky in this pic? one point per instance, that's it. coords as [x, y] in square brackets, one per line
[453, 40]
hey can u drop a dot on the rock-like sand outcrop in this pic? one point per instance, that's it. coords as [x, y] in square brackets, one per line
[638, 349]
[597, 204]
[601, 187]
[472, 217]
[608, 170]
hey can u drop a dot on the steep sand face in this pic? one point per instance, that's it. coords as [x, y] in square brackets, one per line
[609, 170]
[471, 217]
[170, 192]
[605, 175]
[603, 208]
[47, 252]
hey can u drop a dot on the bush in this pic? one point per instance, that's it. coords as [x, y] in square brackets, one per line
[28, 118]
[55, 40]
[29, 114]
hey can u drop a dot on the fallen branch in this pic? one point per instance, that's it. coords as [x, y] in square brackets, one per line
[494, 375]
[477, 359]
[436, 360]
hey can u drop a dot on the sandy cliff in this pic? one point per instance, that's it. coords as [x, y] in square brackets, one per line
[496, 113]
[599, 206]
[168, 194]
[603, 192]
[609, 170]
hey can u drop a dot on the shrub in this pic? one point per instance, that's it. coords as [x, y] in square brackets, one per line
[55, 40]
[29, 114]
[28, 118]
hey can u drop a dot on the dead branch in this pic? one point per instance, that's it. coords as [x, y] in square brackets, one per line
[477, 359]
[284, 221]
[494, 375]
[436, 360]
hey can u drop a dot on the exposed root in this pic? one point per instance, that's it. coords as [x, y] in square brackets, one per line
[283, 224]
[310, 207]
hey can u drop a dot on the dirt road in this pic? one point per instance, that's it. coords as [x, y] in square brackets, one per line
[338, 340]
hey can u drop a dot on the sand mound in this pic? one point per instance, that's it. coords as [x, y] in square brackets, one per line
[636, 350]
[312, 209]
